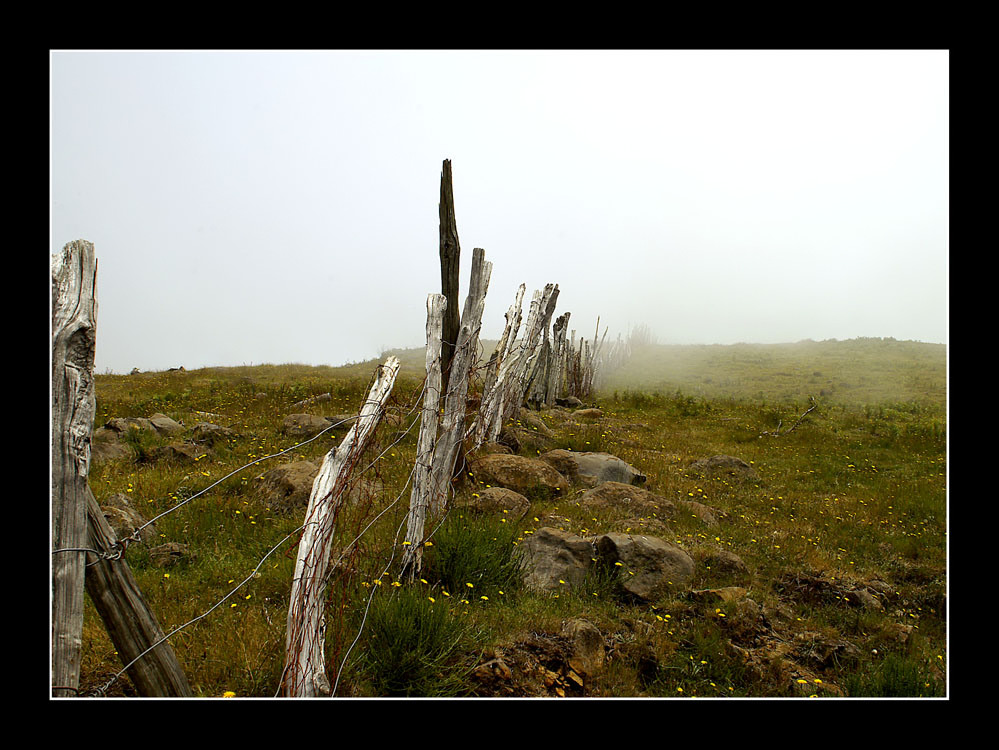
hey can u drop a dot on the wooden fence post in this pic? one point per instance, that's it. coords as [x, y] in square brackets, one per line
[555, 383]
[420, 497]
[466, 351]
[516, 371]
[305, 664]
[148, 658]
[74, 335]
[450, 255]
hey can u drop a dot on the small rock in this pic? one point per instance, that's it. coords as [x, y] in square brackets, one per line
[627, 496]
[287, 487]
[177, 452]
[169, 554]
[124, 519]
[531, 477]
[725, 465]
[588, 648]
[592, 468]
[164, 425]
[303, 425]
[206, 432]
[554, 559]
[863, 598]
[502, 502]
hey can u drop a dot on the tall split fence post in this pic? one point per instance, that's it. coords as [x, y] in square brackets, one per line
[429, 421]
[466, 351]
[74, 337]
[305, 673]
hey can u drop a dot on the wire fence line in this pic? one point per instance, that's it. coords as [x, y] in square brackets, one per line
[406, 409]
[122, 544]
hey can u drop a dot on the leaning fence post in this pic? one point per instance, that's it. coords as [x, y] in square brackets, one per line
[305, 663]
[74, 335]
[137, 636]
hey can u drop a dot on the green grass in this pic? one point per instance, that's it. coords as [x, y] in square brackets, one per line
[854, 496]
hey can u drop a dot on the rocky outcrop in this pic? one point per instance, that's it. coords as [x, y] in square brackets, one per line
[647, 567]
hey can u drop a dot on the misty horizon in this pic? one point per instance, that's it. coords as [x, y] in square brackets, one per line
[282, 207]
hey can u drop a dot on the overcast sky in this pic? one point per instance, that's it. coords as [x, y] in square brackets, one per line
[253, 207]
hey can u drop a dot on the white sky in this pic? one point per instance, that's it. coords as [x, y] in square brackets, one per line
[282, 206]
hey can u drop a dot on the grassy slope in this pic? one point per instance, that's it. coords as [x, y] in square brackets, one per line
[855, 494]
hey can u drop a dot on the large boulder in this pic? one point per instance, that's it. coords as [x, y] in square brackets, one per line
[592, 468]
[554, 559]
[531, 477]
[648, 567]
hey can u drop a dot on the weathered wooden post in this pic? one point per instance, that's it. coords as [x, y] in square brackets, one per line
[74, 336]
[137, 636]
[466, 350]
[305, 664]
[450, 255]
[516, 371]
[419, 499]
[506, 342]
[555, 384]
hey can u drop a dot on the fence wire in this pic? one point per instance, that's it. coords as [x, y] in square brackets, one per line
[345, 567]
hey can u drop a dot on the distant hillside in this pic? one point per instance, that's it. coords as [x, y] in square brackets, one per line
[858, 371]
[855, 371]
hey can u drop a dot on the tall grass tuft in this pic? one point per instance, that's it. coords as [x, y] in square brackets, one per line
[415, 646]
[477, 551]
[895, 677]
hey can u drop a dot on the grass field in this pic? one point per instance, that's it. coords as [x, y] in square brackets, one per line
[843, 535]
